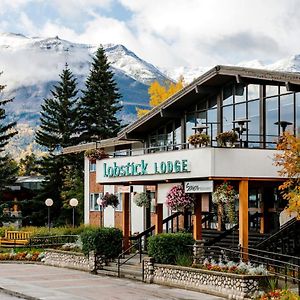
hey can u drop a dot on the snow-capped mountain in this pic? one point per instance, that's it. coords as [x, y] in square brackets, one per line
[31, 66]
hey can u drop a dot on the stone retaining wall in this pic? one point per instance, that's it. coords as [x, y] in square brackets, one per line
[232, 286]
[69, 259]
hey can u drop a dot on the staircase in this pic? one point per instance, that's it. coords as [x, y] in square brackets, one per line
[285, 241]
[132, 269]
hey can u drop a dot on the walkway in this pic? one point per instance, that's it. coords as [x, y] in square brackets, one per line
[50, 283]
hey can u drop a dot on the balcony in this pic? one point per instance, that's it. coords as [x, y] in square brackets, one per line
[143, 165]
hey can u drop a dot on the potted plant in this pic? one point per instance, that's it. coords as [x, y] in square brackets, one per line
[110, 200]
[142, 199]
[94, 154]
[178, 200]
[224, 197]
[200, 139]
[227, 138]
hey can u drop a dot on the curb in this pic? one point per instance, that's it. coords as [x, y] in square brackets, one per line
[17, 294]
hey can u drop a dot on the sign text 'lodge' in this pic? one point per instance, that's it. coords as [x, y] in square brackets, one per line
[145, 168]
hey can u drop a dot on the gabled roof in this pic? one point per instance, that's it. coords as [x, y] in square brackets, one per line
[205, 84]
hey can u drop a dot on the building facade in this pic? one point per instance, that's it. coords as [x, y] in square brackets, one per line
[153, 154]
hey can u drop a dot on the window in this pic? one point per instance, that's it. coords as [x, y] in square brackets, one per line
[298, 114]
[93, 201]
[272, 130]
[253, 91]
[228, 95]
[239, 93]
[119, 207]
[92, 167]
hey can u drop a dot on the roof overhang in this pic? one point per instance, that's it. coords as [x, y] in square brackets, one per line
[206, 84]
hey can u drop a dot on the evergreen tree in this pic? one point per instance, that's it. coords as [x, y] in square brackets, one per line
[59, 115]
[8, 170]
[100, 102]
[58, 129]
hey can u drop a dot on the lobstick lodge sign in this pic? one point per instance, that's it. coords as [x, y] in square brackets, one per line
[145, 168]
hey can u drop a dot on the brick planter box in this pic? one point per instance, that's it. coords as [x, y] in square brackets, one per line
[228, 285]
[68, 259]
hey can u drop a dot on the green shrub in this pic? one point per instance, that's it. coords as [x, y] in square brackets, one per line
[184, 260]
[104, 241]
[166, 247]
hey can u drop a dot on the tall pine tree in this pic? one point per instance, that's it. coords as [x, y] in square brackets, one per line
[100, 102]
[59, 117]
[8, 171]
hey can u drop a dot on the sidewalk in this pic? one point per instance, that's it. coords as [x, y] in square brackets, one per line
[43, 282]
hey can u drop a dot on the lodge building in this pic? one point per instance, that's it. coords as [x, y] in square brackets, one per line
[153, 154]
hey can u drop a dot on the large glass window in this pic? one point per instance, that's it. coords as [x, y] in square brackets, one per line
[227, 118]
[228, 95]
[93, 201]
[177, 132]
[298, 114]
[272, 116]
[287, 108]
[253, 91]
[253, 125]
[240, 93]
[272, 90]
[190, 123]
[240, 111]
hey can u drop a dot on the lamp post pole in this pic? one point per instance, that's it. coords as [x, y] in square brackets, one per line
[73, 202]
[49, 203]
[99, 202]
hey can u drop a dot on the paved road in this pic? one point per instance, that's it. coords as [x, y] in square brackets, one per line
[50, 283]
[4, 296]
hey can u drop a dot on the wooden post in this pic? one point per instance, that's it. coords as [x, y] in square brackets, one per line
[197, 226]
[159, 218]
[243, 215]
[125, 220]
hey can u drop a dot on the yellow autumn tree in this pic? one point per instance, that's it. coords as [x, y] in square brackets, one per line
[288, 159]
[159, 93]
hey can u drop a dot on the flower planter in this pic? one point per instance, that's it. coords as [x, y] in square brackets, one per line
[228, 285]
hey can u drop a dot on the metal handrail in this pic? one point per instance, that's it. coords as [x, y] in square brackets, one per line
[274, 262]
[279, 232]
[122, 255]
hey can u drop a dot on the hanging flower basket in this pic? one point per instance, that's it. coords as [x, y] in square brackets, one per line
[227, 138]
[224, 196]
[199, 139]
[94, 154]
[110, 200]
[178, 200]
[142, 199]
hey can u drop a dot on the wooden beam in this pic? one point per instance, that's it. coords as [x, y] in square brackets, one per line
[197, 226]
[204, 89]
[238, 78]
[159, 218]
[292, 87]
[125, 220]
[169, 114]
[243, 216]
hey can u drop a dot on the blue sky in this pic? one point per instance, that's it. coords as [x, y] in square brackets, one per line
[167, 33]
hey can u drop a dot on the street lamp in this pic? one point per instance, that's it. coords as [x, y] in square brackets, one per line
[49, 203]
[283, 125]
[73, 202]
[99, 202]
[241, 128]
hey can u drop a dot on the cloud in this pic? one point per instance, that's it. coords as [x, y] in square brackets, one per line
[172, 33]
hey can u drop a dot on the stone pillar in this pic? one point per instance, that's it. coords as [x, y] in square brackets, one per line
[125, 220]
[148, 269]
[197, 226]
[198, 252]
[243, 215]
[159, 218]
